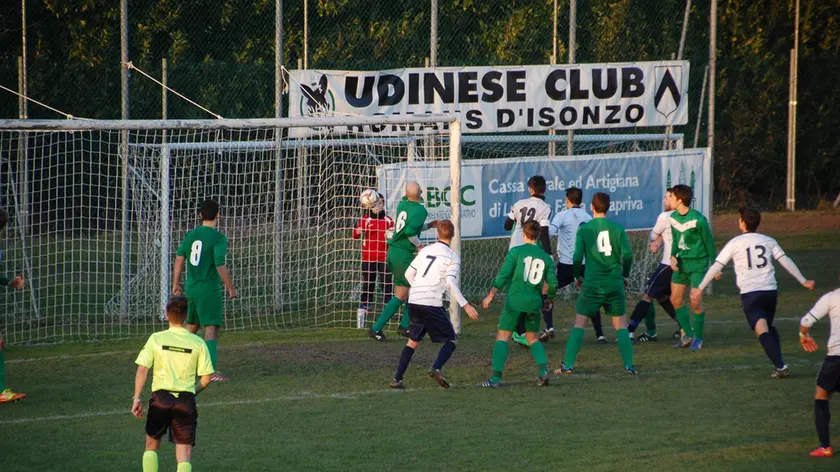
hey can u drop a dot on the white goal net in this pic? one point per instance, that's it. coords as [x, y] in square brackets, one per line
[97, 210]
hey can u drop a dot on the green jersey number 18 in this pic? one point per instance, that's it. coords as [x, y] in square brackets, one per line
[534, 269]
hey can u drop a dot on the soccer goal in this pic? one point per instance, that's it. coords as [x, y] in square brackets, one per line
[104, 204]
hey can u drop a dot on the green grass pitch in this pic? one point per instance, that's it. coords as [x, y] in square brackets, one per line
[319, 399]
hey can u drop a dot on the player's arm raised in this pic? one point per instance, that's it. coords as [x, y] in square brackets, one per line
[791, 267]
[220, 256]
[810, 319]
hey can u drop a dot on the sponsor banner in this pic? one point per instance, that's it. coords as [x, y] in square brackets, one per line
[635, 182]
[501, 98]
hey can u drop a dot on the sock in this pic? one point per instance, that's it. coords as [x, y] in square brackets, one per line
[538, 351]
[650, 320]
[500, 353]
[211, 346]
[150, 461]
[638, 315]
[573, 346]
[548, 317]
[684, 321]
[775, 333]
[669, 308]
[699, 324]
[444, 354]
[771, 349]
[388, 312]
[2, 370]
[405, 321]
[822, 417]
[625, 347]
[596, 323]
[405, 358]
[184, 467]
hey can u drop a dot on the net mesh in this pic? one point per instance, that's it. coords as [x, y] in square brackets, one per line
[96, 268]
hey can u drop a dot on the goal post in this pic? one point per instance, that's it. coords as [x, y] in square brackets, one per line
[109, 201]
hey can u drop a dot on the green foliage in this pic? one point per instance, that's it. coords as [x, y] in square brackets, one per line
[221, 54]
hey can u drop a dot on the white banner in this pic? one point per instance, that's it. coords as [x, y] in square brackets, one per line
[504, 98]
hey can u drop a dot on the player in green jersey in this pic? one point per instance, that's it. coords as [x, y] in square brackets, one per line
[205, 249]
[178, 358]
[692, 251]
[606, 248]
[529, 274]
[6, 394]
[409, 223]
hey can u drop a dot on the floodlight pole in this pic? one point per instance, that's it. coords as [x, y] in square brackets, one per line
[792, 102]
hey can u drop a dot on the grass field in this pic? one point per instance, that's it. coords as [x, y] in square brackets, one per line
[318, 400]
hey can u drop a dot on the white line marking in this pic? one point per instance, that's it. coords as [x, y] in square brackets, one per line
[354, 395]
[286, 343]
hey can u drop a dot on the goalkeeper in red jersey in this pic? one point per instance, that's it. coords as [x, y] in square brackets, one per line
[374, 228]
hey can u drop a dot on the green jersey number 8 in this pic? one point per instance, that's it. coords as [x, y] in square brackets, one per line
[400, 221]
[534, 269]
[604, 246]
[195, 253]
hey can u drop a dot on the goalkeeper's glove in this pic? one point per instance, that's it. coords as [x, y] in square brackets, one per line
[548, 303]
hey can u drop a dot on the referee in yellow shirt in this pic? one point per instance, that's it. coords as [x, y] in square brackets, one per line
[178, 358]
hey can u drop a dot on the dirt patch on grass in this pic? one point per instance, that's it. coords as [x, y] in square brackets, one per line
[798, 222]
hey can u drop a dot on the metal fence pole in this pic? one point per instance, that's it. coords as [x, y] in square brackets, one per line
[433, 35]
[552, 146]
[794, 67]
[306, 34]
[124, 262]
[700, 106]
[572, 45]
[278, 153]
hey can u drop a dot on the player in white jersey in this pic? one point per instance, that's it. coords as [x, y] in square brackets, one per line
[828, 380]
[565, 225]
[753, 254]
[533, 208]
[431, 273]
[659, 284]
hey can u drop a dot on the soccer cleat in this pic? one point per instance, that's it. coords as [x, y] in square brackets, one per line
[547, 334]
[398, 384]
[377, 335]
[684, 342]
[677, 334]
[402, 331]
[646, 338]
[602, 340]
[822, 452]
[8, 396]
[439, 378]
[782, 373]
[489, 383]
[697, 344]
[543, 380]
[630, 370]
[218, 377]
[563, 370]
[519, 339]
[632, 336]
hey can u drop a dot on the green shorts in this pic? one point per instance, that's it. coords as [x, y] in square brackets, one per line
[510, 318]
[691, 272]
[205, 309]
[398, 261]
[592, 298]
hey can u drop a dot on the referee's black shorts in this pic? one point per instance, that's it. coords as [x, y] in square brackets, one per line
[176, 414]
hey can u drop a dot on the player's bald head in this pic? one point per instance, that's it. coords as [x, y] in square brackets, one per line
[412, 191]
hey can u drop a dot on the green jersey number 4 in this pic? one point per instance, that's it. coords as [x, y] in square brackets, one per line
[534, 270]
[603, 242]
[195, 253]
